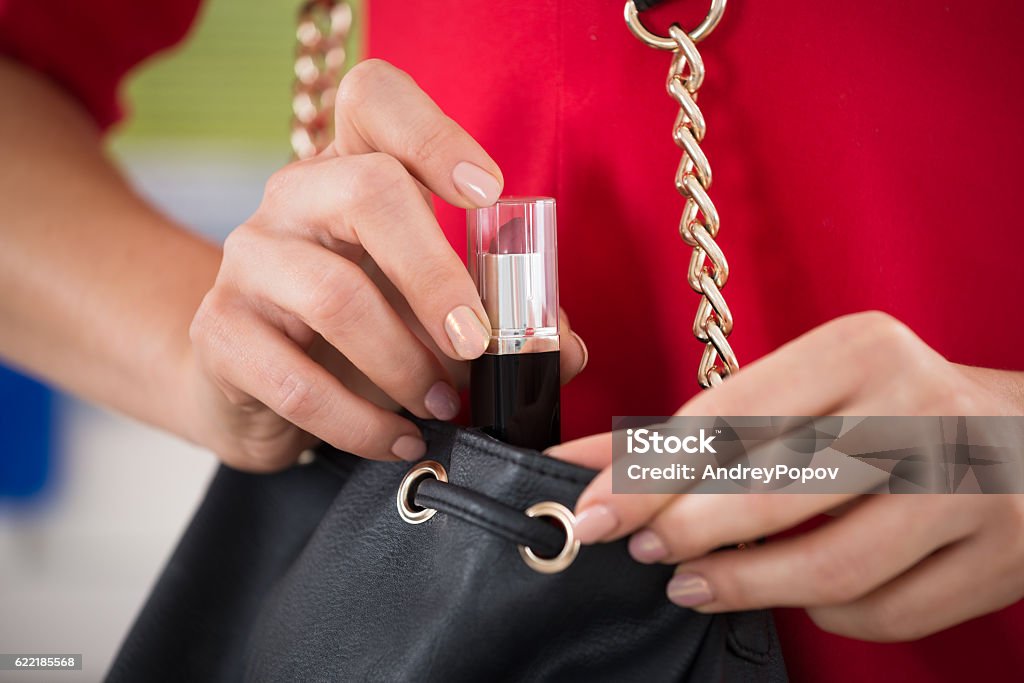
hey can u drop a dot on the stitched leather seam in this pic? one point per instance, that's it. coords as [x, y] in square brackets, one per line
[754, 656]
[744, 650]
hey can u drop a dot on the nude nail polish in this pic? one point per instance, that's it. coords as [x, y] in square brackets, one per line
[595, 523]
[478, 186]
[689, 590]
[441, 401]
[647, 547]
[409, 447]
[467, 334]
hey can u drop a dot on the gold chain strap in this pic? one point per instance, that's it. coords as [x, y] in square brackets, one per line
[708, 271]
[320, 55]
[323, 31]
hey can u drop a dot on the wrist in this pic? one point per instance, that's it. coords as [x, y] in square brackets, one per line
[174, 375]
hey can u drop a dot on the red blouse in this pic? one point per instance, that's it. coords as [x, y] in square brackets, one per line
[864, 157]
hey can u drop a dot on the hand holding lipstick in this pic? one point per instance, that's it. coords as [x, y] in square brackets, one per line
[340, 299]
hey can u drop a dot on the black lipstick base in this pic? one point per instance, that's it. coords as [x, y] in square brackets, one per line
[515, 397]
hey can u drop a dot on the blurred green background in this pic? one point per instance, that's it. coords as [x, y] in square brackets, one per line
[207, 122]
[229, 83]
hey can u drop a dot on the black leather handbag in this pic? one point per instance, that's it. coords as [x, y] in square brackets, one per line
[313, 574]
[344, 569]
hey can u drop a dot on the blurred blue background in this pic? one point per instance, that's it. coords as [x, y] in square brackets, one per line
[25, 436]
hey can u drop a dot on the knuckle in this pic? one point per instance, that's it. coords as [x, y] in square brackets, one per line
[376, 180]
[839, 621]
[426, 142]
[299, 397]
[280, 184]
[240, 247]
[363, 78]
[883, 328]
[208, 330]
[834, 579]
[884, 622]
[341, 297]
[235, 244]
[407, 374]
[384, 171]
[885, 344]
[432, 278]
[828, 619]
[362, 436]
[876, 622]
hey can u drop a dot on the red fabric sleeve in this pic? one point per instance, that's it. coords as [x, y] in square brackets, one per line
[87, 48]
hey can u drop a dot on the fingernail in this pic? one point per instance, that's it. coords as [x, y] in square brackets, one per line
[645, 546]
[478, 186]
[586, 354]
[595, 523]
[441, 401]
[689, 590]
[409, 447]
[468, 334]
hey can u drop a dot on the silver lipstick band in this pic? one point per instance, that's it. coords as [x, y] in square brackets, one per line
[507, 345]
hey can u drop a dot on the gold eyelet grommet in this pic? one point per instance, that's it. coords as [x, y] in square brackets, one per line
[406, 510]
[561, 561]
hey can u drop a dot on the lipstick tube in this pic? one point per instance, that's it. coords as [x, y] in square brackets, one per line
[515, 386]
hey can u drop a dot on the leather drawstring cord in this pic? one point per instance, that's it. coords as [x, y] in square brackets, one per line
[492, 515]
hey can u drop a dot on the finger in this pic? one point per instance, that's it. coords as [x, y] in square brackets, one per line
[594, 451]
[787, 382]
[852, 352]
[662, 538]
[692, 525]
[371, 201]
[573, 354]
[832, 564]
[381, 109]
[962, 578]
[335, 297]
[276, 372]
[601, 515]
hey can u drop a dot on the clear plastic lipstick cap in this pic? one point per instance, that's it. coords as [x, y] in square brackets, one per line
[513, 259]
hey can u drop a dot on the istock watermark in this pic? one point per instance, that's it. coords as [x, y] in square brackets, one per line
[648, 441]
[872, 454]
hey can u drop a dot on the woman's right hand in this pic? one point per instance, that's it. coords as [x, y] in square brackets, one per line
[340, 299]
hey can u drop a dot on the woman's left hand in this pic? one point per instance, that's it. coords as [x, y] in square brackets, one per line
[888, 567]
